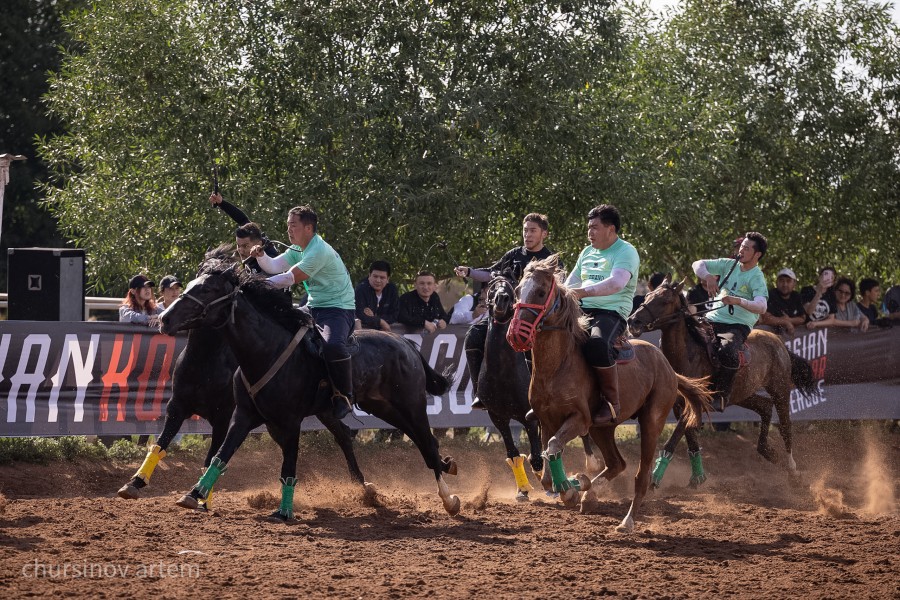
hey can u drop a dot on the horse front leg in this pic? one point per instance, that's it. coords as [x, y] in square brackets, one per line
[515, 460]
[175, 418]
[243, 421]
[782, 402]
[668, 452]
[568, 488]
[289, 442]
[220, 421]
[763, 407]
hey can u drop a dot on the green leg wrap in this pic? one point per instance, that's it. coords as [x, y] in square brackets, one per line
[698, 475]
[561, 483]
[287, 497]
[659, 468]
[210, 476]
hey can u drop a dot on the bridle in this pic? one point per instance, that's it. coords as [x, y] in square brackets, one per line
[499, 282]
[206, 306]
[681, 312]
[521, 333]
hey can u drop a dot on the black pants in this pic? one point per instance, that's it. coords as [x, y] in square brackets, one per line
[474, 347]
[731, 337]
[605, 328]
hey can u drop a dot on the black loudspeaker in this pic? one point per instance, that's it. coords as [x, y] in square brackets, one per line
[45, 284]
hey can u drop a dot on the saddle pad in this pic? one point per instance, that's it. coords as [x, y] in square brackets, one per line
[624, 351]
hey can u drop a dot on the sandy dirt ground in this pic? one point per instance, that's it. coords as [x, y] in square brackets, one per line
[751, 531]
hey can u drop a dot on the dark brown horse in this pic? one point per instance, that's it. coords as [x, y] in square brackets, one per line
[564, 393]
[771, 368]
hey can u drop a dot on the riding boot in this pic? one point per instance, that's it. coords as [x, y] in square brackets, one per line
[722, 382]
[608, 378]
[341, 372]
[475, 356]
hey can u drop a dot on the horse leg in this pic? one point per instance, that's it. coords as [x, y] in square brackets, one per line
[534, 444]
[782, 401]
[289, 442]
[220, 422]
[342, 436]
[515, 460]
[242, 423]
[605, 438]
[175, 417]
[591, 462]
[568, 488]
[763, 407]
[651, 426]
[668, 451]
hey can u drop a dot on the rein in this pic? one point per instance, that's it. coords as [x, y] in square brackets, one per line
[252, 390]
[206, 306]
[521, 333]
[683, 312]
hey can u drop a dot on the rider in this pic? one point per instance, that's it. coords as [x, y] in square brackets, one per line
[311, 260]
[745, 293]
[606, 272]
[247, 234]
[535, 231]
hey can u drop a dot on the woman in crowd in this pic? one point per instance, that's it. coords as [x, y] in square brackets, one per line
[138, 306]
[848, 314]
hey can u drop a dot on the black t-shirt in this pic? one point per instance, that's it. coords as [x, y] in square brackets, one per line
[699, 294]
[792, 306]
[871, 312]
[827, 303]
[513, 262]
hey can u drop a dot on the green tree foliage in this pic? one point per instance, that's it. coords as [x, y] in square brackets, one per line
[405, 122]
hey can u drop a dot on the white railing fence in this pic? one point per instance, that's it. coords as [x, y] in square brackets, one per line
[95, 307]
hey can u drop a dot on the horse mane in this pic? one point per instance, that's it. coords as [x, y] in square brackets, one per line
[271, 302]
[571, 316]
[695, 324]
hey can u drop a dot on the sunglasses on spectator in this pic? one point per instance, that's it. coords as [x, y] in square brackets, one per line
[843, 291]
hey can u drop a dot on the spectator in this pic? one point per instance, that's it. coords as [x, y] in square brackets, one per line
[169, 289]
[470, 309]
[869, 292]
[785, 308]
[247, 234]
[138, 306]
[819, 301]
[699, 299]
[377, 301]
[847, 313]
[421, 307]
[654, 282]
[891, 306]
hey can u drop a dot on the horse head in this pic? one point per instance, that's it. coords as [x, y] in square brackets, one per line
[539, 296]
[208, 300]
[501, 298]
[660, 306]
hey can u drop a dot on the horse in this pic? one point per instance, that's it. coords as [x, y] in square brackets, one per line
[281, 378]
[564, 393]
[202, 385]
[503, 388]
[772, 368]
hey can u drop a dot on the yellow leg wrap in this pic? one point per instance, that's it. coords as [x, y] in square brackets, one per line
[153, 457]
[517, 465]
[208, 502]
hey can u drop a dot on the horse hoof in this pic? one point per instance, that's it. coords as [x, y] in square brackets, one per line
[569, 498]
[589, 503]
[654, 485]
[522, 497]
[626, 526]
[189, 502]
[551, 494]
[451, 505]
[278, 517]
[584, 482]
[370, 494]
[696, 481]
[129, 492]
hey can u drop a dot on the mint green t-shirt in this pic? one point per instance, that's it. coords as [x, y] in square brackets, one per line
[596, 265]
[329, 283]
[743, 284]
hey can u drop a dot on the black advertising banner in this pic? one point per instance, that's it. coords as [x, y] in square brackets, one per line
[95, 378]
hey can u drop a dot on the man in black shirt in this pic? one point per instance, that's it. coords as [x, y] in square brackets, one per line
[785, 308]
[535, 231]
[377, 302]
[819, 300]
[247, 235]
[422, 307]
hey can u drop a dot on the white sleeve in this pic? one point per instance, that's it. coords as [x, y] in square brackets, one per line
[462, 311]
[270, 265]
[573, 280]
[700, 269]
[758, 305]
[282, 280]
[616, 282]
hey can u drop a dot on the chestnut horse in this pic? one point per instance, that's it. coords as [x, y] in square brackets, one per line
[564, 393]
[772, 368]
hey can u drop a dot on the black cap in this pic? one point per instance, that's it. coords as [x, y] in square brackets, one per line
[168, 281]
[139, 281]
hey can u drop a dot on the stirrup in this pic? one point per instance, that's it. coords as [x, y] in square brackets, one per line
[340, 406]
[611, 419]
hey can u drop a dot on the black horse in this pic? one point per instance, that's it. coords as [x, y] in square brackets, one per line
[503, 387]
[282, 379]
[202, 385]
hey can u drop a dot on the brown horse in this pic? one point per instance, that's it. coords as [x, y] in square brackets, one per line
[565, 395]
[772, 368]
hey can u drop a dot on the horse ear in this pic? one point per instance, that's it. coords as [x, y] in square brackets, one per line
[680, 285]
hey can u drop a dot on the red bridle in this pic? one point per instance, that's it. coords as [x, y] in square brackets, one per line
[521, 333]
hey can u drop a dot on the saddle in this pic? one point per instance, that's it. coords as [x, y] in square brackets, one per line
[624, 350]
[712, 340]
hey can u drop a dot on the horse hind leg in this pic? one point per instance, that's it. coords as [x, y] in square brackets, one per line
[782, 401]
[651, 426]
[592, 464]
[763, 407]
[605, 438]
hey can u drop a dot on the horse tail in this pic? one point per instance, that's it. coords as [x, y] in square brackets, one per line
[802, 376]
[436, 384]
[698, 399]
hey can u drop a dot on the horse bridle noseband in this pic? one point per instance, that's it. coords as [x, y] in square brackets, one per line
[522, 332]
[206, 306]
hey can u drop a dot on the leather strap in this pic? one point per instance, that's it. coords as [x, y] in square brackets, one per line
[255, 388]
